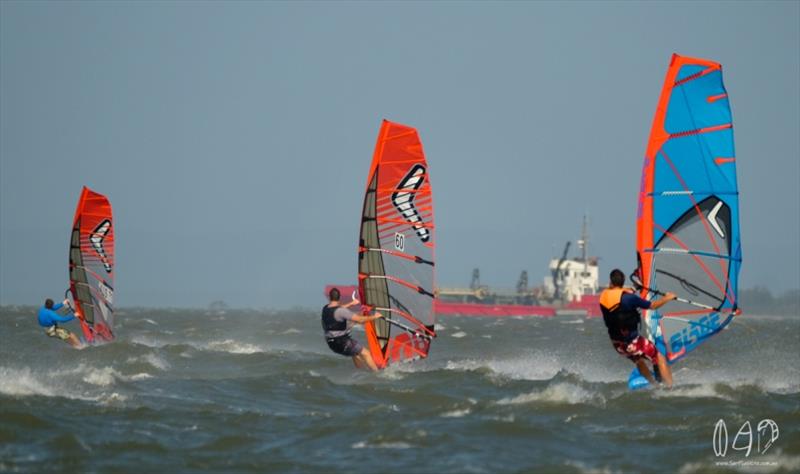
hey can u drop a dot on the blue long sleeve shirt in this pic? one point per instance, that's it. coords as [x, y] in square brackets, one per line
[49, 317]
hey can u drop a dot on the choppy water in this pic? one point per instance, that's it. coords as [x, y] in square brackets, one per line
[248, 391]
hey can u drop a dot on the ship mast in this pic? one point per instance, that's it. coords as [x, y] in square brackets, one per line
[585, 244]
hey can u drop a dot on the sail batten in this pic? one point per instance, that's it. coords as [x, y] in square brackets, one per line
[396, 248]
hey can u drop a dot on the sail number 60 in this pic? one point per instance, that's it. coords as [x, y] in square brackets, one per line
[400, 241]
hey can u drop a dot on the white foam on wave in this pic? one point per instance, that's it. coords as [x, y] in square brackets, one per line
[399, 370]
[458, 335]
[395, 371]
[107, 376]
[585, 468]
[231, 346]
[382, 445]
[504, 419]
[291, 331]
[784, 381]
[691, 391]
[521, 368]
[456, 413]
[153, 360]
[77, 382]
[558, 393]
[102, 377]
[140, 376]
[383, 408]
[590, 365]
[113, 398]
[147, 341]
[22, 382]
[156, 361]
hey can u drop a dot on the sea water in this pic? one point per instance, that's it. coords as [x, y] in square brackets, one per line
[259, 391]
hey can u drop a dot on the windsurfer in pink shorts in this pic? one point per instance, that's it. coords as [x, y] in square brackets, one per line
[620, 307]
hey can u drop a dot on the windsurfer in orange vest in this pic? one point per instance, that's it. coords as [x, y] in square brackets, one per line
[337, 321]
[620, 307]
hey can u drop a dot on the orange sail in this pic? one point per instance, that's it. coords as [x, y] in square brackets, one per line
[91, 266]
[396, 248]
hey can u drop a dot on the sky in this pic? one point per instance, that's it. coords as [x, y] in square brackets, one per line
[234, 139]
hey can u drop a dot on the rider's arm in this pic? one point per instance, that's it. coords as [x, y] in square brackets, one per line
[666, 299]
[635, 301]
[361, 319]
[358, 318]
[353, 302]
[62, 319]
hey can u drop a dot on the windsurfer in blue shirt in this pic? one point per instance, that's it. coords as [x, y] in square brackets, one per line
[337, 321]
[49, 319]
[620, 307]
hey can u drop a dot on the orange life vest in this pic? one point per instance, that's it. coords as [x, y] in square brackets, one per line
[621, 322]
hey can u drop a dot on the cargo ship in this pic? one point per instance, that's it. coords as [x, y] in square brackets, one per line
[570, 287]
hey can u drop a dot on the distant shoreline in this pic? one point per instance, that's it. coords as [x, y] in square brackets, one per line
[138, 309]
[755, 302]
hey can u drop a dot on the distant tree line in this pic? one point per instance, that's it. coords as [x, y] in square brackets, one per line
[760, 300]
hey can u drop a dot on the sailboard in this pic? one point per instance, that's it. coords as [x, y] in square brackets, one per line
[91, 266]
[636, 380]
[688, 239]
[396, 248]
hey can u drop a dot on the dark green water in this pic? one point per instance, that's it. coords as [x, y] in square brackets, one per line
[248, 391]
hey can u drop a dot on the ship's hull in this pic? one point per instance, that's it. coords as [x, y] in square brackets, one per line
[448, 308]
[588, 306]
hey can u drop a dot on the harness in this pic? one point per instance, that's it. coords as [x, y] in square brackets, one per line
[329, 322]
[621, 322]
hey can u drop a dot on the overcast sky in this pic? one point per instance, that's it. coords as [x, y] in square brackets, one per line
[234, 139]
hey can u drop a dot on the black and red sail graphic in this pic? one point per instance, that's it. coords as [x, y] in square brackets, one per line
[91, 266]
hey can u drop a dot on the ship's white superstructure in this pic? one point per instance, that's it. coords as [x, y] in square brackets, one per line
[571, 279]
[576, 278]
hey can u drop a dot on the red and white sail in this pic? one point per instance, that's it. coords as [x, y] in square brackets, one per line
[91, 266]
[396, 248]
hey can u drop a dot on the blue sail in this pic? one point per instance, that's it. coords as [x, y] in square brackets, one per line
[688, 240]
